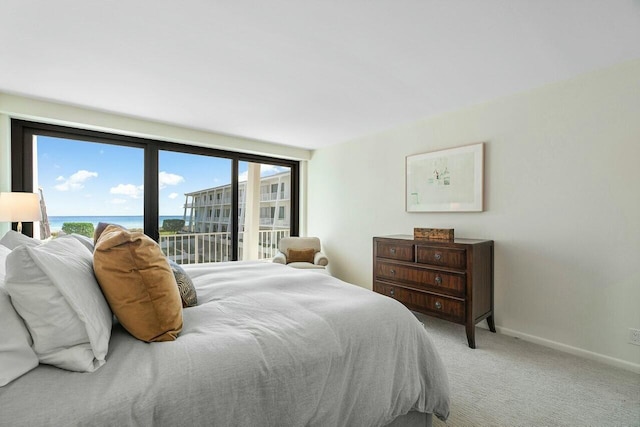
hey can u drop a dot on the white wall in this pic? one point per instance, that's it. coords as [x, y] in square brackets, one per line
[5, 159]
[50, 112]
[562, 202]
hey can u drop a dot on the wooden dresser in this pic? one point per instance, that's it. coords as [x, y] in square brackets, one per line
[449, 280]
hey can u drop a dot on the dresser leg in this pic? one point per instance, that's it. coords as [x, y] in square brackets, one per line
[471, 335]
[491, 324]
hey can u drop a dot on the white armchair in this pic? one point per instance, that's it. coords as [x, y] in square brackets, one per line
[301, 252]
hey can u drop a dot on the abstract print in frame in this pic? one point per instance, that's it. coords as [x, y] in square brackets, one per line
[446, 181]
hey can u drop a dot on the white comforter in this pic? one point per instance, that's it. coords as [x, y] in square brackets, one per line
[267, 345]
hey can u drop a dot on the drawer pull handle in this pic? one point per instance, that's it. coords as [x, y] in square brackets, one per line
[392, 292]
[438, 305]
[437, 256]
[392, 250]
[438, 280]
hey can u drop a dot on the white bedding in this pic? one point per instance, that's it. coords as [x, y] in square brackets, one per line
[267, 345]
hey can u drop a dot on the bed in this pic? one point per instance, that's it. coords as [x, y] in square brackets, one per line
[266, 345]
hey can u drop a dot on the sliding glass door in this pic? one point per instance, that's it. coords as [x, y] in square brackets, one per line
[200, 204]
[195, 207]
[264, 206]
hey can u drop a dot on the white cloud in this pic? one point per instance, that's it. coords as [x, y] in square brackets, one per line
[75, 181]
[166, 178]
[118, 201]
[265, 170]
[133, 191]
[173, 195]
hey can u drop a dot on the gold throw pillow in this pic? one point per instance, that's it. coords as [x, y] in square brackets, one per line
[300, 255]
[138, 284]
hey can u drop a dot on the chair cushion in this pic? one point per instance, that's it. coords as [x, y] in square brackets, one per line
[298, 243]
[301, 255]
[306, 266]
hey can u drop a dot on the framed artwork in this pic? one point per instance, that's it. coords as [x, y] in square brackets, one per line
[446, 181]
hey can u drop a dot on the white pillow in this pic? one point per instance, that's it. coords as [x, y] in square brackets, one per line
[87, 242]
[16, 355]
[54, 290]
[13, 239]
[4, 251]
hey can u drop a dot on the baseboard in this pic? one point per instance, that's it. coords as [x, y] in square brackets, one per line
[612, 361]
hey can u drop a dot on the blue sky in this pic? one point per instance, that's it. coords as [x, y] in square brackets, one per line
[84, 178]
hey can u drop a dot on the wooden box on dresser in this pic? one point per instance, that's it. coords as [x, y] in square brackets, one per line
[449, 280]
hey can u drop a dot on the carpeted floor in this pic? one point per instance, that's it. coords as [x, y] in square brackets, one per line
[509, 382]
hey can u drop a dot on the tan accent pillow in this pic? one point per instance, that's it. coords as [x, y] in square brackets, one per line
[138, 284]
[300, 255]
[100, 229]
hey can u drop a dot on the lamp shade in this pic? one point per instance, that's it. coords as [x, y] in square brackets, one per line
[17, 207]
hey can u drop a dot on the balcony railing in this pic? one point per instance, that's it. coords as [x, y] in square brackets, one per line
[265, 197]
[215, 247]
[274, 222]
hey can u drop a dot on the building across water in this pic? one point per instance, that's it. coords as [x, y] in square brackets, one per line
[209, 210]
[206, 236]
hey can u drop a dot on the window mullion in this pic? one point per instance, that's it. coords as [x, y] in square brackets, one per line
[151, 192]
[234, 210]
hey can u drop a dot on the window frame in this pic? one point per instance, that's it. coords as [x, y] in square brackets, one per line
[23, 131]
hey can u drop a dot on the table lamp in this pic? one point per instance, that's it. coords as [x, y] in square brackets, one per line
[18, 207]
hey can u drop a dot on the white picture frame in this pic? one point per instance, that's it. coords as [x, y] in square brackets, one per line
[450, 180]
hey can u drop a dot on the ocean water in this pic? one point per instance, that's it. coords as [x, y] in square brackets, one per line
[55, 222]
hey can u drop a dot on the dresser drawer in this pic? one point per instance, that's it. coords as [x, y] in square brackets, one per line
[392, 250]
[448, 308]
[428, 279]
[445, 257]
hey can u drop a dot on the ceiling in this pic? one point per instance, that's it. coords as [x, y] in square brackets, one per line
[303, 73]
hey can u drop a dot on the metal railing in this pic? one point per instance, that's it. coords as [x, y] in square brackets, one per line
[195, 248]
[280, 195]
[274, 222]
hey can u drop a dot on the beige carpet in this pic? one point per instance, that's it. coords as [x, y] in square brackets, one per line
[509, 382]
